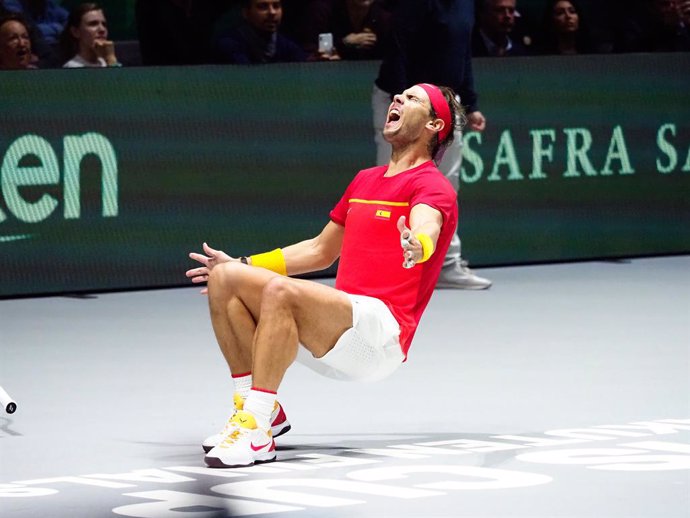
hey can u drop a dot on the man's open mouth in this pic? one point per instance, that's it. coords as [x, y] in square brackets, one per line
[393, 116]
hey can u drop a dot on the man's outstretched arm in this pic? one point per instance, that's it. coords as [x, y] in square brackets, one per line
[310, 255]
[317, 253]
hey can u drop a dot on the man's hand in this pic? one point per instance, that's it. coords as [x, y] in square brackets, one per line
[209, 261]
[476, 121]
[326, 56]
[360, 40]
[412, 248]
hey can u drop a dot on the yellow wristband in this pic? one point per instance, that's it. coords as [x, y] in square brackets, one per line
[273, 260]
[427, 246]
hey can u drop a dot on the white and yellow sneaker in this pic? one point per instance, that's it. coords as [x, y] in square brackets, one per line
[279, 424]
[245, 444]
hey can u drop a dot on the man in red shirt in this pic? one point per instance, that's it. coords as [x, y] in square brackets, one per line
[391, 230]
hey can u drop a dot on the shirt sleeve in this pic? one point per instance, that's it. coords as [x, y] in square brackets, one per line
[339, 212]
[436, 191]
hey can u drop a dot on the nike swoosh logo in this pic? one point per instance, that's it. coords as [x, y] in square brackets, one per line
[257, 448]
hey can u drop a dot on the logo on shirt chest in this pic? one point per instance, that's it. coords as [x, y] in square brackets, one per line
[381, 210]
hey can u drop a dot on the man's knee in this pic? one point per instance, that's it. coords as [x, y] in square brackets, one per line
[223, 277]
[279, 291]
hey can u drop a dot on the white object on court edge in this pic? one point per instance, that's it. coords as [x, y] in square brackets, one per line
[8, 403]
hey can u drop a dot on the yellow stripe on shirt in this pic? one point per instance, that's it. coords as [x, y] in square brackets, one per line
[380, 202]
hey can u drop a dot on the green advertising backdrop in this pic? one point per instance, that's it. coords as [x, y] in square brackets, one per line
[109, 178]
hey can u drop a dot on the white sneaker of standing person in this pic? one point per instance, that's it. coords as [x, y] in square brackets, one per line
[457, 275]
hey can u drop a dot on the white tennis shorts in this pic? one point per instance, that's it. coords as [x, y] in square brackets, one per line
[368, 351]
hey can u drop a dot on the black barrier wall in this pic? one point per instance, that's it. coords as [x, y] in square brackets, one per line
[110, 177]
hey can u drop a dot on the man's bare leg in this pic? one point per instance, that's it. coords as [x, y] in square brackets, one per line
[234, 324]
[295, 311]
[282, 312]
[234, 327]
[260, 317]
[233, 316]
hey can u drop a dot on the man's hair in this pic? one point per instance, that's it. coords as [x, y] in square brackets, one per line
[14, 17]
[458, 119]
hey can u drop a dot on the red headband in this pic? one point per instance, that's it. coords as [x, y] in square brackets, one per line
[440, 106]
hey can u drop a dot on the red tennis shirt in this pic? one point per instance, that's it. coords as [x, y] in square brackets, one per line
[371, 259]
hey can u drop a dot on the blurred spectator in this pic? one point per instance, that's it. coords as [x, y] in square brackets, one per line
[360, 28]
[257, 39]
[15, 44]
[85, 39]
[564, 29]
[494, 34]
[177, 32]
[44, 55]
[46, 15]
[657, 26]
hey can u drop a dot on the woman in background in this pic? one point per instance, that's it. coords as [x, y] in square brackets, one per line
[15, 44]
[564, 31]
[48, 16]
[85, 39]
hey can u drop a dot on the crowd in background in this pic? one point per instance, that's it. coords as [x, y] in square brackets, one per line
[65, 33]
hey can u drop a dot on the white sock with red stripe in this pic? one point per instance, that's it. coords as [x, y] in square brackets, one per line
[260, 403]
[243, 383]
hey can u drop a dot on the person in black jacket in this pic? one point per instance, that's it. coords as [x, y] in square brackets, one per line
[494, 34]
[257, 39]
